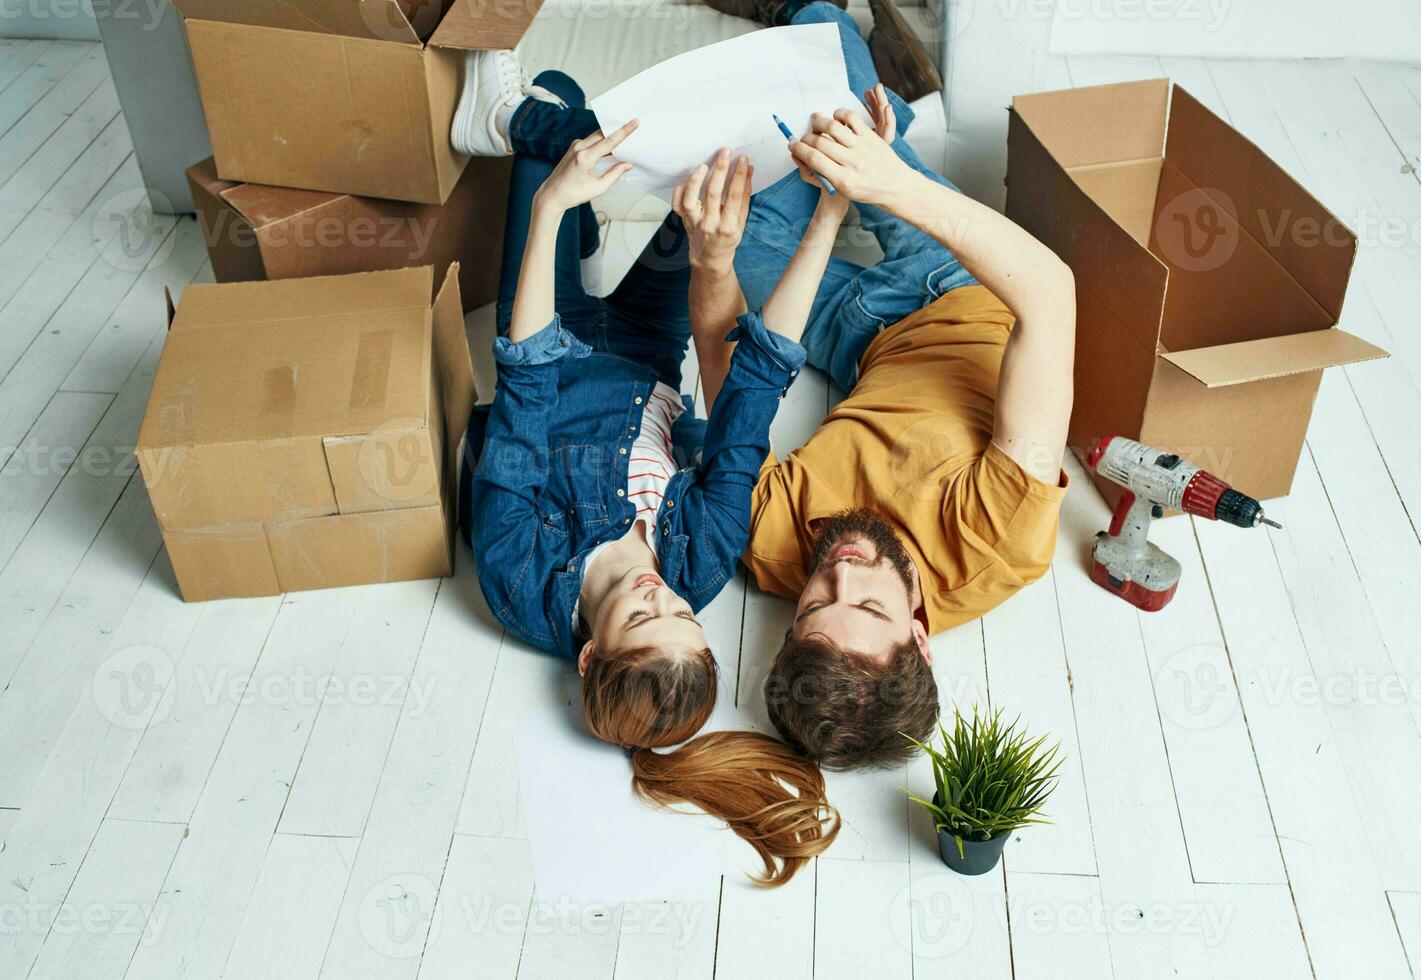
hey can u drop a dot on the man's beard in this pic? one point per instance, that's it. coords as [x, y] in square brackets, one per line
[862, 523]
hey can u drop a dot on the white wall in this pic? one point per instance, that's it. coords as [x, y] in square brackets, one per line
[1379, 30]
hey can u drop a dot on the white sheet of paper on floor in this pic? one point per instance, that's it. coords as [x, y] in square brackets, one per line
[726, 94]
[593, 840]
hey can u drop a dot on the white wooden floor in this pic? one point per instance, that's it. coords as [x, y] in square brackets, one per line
[1240, 799]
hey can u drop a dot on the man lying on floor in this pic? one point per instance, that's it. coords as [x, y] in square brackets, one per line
[931, 493]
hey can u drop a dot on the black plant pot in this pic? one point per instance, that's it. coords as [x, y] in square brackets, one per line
[977, 856]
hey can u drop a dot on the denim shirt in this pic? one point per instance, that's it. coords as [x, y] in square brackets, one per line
[546, 474]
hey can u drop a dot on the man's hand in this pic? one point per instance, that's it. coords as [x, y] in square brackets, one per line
[574, 181]
[858, 159]
[714, 226]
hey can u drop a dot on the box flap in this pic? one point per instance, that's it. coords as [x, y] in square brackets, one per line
[263, 205]
[453, 366]
[1099, 124]
[206, 305]
[1300, 234]
[480, 25]
[342, 355]
[1273, 357]
[378, 20]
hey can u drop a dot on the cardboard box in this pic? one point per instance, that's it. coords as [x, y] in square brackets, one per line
[1209, 283]
[255, 231]
[345, 96]
[302, 434]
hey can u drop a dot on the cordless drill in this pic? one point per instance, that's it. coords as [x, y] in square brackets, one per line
[1125, 562]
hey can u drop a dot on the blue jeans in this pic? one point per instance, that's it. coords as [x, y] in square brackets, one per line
[853, 303]
[646, 319]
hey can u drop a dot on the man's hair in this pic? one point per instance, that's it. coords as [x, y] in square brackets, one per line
[845, 711]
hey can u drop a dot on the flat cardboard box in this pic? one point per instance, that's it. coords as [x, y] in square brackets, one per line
[346, 96]
[255, 231]
[301, 434]
[1209, 283]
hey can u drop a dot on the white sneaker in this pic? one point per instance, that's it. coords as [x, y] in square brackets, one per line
[493, 80]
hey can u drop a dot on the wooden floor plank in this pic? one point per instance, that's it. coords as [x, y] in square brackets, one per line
[107, 912]
[40, 462]
[1211, 759]
[53, 165]
[1252, 931]
[480, 916]
[1338, 892]
[350, 740]
[120, 344]
[862, 920]
[31, 71]
[411, 825]
[1139, 844]
[68, 789]
[206, 892]
[34, 124]
[1057, 920]
[1406, 909]
[65, 335]
[1029, 679]
[669, 939]
[48, 261]
[171, 762]
[293, 906]
[766, 932]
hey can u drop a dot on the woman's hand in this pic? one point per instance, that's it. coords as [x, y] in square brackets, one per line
[575, 180]
[714, 226]
[858, 159]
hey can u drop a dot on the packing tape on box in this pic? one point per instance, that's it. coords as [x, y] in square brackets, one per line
[372, 370]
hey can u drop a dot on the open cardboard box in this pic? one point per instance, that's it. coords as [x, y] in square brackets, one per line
[255, 231]
[302, 434]
[347, 96]
[1209, 283]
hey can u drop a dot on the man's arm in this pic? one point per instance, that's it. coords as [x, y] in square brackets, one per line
[1035, 391]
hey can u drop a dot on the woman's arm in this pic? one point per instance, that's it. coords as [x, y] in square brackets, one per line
[787, 310]
[713, 229]
[571, 184]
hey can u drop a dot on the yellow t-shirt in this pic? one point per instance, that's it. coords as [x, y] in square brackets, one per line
[914, 442]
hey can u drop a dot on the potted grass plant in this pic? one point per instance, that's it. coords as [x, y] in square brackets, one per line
[991, 778]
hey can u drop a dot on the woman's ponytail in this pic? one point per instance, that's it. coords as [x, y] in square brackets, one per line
[746, 780]
[769, 794]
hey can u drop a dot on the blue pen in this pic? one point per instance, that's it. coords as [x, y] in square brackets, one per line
[790, 136]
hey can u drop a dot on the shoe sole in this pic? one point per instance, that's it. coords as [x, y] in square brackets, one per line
[458, 130]
[916, 52]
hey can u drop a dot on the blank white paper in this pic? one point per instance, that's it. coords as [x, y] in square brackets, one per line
[727, 94]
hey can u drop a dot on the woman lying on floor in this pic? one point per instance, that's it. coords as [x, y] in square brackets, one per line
[592, 541]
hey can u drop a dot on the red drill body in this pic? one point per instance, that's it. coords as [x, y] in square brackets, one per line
[1125, 562]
